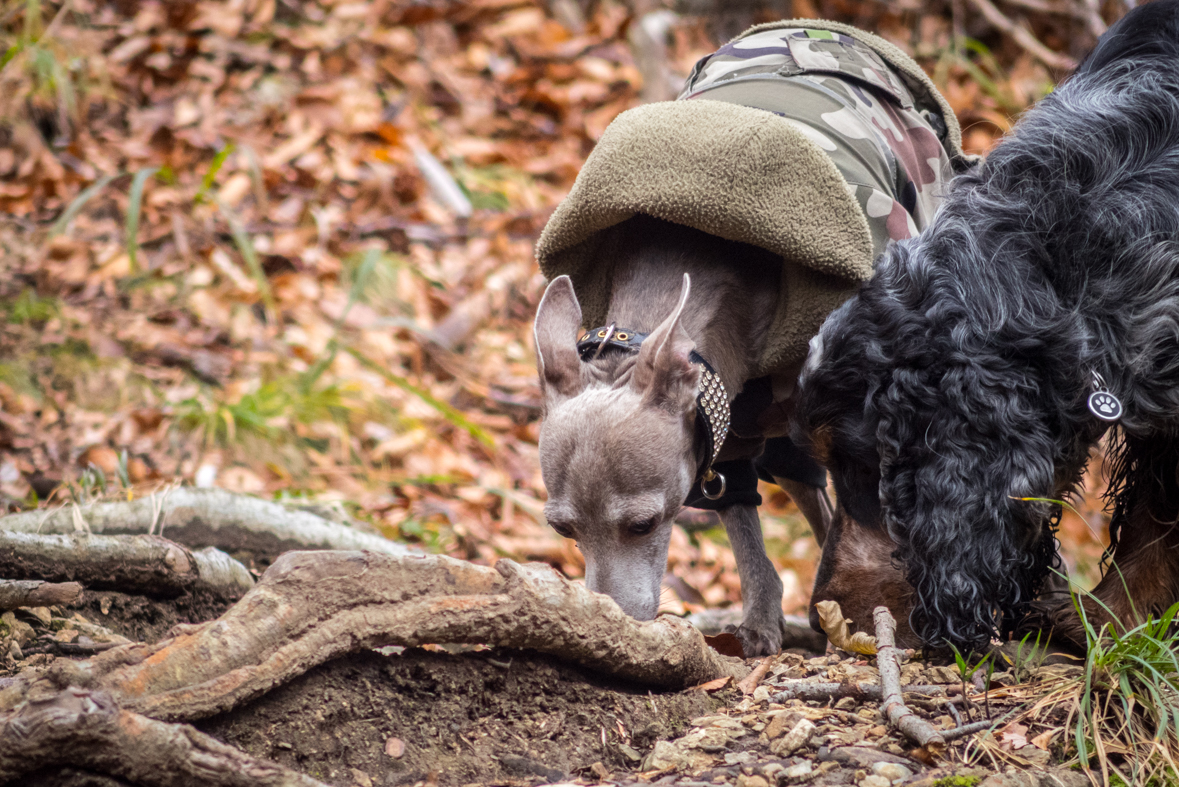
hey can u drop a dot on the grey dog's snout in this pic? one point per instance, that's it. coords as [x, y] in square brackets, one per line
[633, 585]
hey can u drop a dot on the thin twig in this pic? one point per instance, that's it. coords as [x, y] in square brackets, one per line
[803, 689]
[1023, 37]
[954, 712]
[1086, 11]
[750, 681]
[1092, 17]
[966, 729]
[888, 662]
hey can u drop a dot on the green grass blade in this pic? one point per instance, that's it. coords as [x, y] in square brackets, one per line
[211, 173]
[363, 274]
[448, 412]
[134, 206]
[79, 202]
[360, 283]
[246, 247]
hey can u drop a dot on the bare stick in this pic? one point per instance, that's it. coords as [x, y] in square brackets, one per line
[310, 607]
[888, 662]
[1022, 36]
[33, 593]
[207, 517]
[966, 729]
[142, 564]
[88, 730]
[802, 689]
[1092, 16]
[750, 681]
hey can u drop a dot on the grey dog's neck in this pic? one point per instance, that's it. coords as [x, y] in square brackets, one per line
[732, 301]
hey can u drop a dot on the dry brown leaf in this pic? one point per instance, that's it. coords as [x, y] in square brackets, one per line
[713, 685]
[838, 630]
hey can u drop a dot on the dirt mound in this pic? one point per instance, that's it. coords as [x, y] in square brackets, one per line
[486, 717]
[143, 619]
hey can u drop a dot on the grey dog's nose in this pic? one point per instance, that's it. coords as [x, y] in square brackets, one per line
[629, 590]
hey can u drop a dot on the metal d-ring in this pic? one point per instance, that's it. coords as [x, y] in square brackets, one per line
[604, 335]
[709, 476]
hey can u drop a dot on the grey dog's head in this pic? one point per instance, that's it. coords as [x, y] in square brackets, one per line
[616, 447]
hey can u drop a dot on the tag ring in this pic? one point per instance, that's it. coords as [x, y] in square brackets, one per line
[709, 476]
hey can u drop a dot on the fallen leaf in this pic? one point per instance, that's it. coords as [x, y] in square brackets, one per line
[838, 630]
[713, 685]
[1013, 736]
[1044, 739]
[726, 644]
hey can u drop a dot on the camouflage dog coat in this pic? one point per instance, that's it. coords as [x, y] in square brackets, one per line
[814, 140]
[844, 98]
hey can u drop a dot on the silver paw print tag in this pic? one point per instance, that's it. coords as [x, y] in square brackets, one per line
[1102, 403]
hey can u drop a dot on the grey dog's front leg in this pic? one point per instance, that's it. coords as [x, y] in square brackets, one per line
[761, 589]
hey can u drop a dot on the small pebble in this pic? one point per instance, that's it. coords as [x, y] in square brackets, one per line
[780, 724]
[771, 770]
[894, 772]
[751, 781]
[793, 740]
[798, 771]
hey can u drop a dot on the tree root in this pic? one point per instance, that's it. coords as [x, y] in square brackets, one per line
[310, 607]
[88, 730]
[149, 565]
[888, 662]
[16, 593]
[206, 517]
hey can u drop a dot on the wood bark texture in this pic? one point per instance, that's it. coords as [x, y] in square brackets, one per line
[88, 730]
[888, 662]
[149, 565]
[802, 689]
[206, 517]
[310, 607]
[16, 593]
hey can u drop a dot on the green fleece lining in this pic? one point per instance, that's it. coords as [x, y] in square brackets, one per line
[738, 173]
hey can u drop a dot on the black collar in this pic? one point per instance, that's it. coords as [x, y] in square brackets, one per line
[712, 403]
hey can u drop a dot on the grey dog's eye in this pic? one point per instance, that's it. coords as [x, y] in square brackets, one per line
[644, 527]
[562, 529]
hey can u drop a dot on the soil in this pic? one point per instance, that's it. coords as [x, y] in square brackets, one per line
[143, 619]
[455, 717]
[477, 717]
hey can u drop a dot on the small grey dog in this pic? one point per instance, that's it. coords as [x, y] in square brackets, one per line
[707, 239]
[619, 446]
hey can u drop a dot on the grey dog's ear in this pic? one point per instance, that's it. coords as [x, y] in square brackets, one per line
[664, 372]
[557, 319]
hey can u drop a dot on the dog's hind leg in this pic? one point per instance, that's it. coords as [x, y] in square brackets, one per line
[761, 588]
[813, 503]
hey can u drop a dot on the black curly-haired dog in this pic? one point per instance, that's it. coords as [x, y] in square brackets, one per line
[950, 397]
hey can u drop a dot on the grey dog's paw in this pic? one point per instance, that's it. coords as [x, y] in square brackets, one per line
[765, 640]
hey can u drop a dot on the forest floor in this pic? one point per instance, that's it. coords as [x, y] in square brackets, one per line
[453, 716]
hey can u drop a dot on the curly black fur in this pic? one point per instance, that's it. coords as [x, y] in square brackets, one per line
[954, 386]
